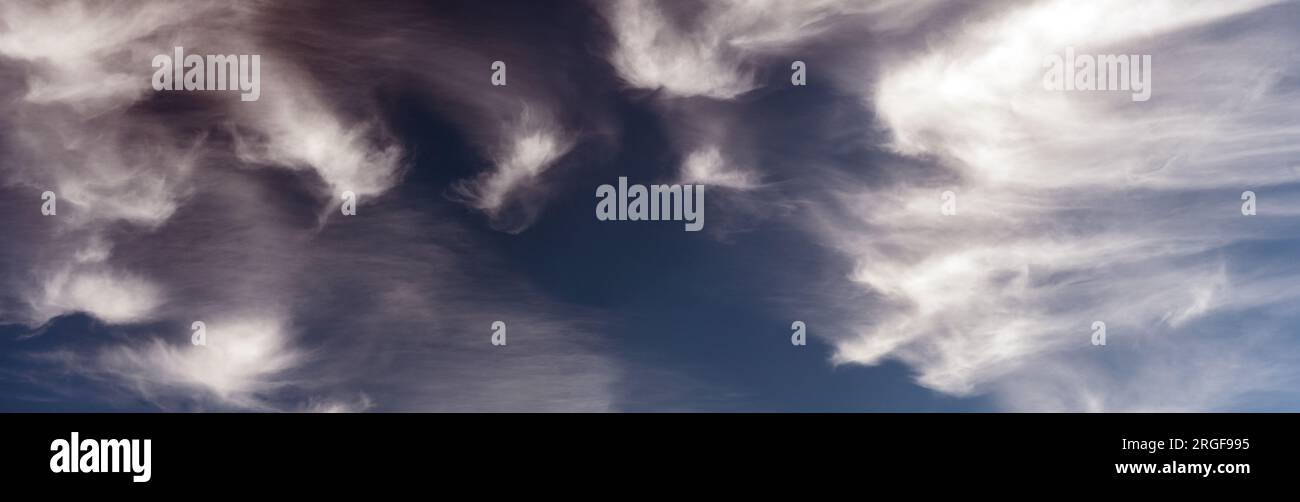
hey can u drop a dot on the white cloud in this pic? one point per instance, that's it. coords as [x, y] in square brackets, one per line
[530, 146]
[707, 166]
[112, 297]
[712, 48]
[295, 129]
[74, 46]
[84, 127]
[1072, 207]
[70, 134]
[244, 359]
[652, 54]
[1009, 126]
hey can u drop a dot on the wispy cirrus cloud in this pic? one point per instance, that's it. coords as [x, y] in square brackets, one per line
[714, 49]
[1071, 207]
[187, 207]
[1074, 208]
[702, 58]
[242, 365]
[529, 147]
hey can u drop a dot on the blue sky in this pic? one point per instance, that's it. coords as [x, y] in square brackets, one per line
[476, 204]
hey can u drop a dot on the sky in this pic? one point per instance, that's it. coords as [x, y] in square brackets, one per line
[896, 175]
